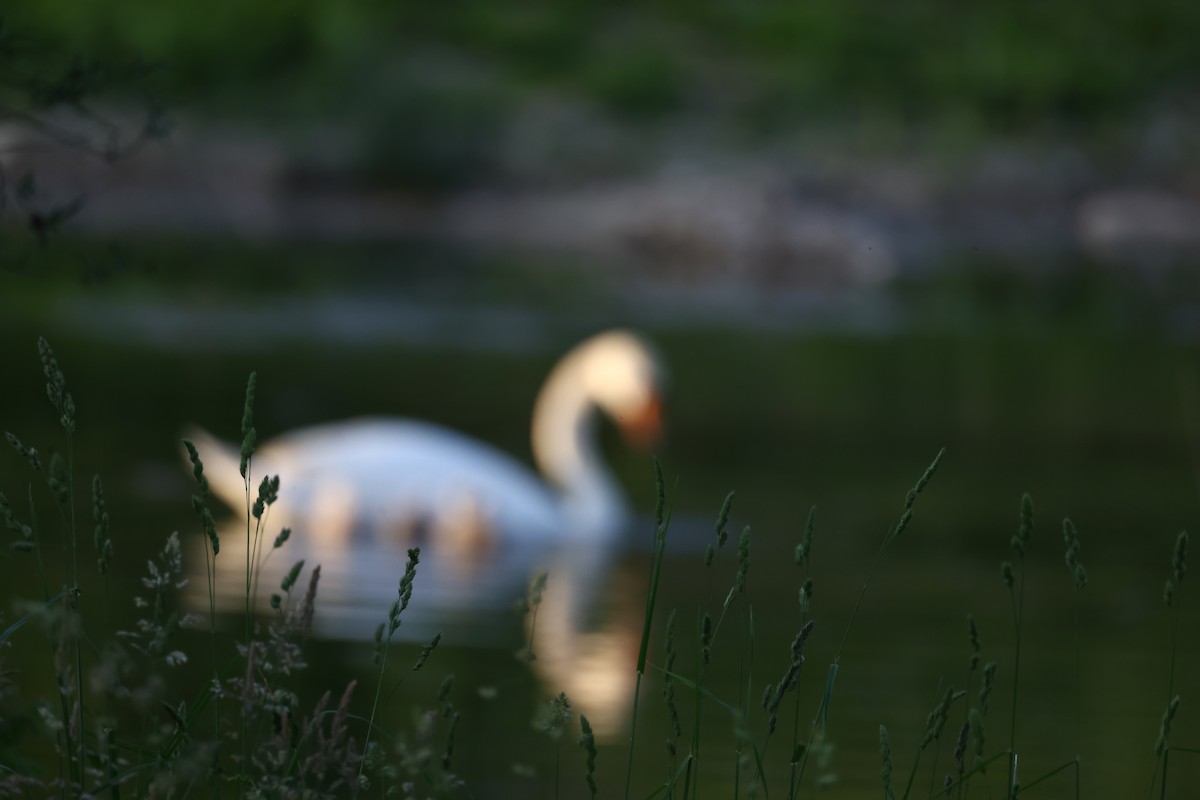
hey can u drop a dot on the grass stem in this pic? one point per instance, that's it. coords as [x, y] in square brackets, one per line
[662, 520]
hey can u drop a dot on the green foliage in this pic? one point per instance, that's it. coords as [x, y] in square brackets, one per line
[1012, 64]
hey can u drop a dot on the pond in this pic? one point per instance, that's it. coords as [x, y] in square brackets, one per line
[1098, 422]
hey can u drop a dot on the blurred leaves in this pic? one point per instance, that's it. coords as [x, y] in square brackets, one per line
[1011, 63]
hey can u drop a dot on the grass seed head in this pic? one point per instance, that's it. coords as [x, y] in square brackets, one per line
[209, 526]
[989, 680]
[379, 642]
[723, 520]
[799, 641]
[804, 549]
[1080, 577]
[29, 453]
[268, 493]
[56, 387]
[743, 559]
[249, 442]
[289, 580]
[1025, 529]
[1164, 730]
[405, 590]
[444, 690]
[309, 605]
[1074, 566]
[937, 717]
[1179, 559]
[1071, 540]
[249, 435]
[588, 742]
[551, 717]
[248, 406]
[668, 683]
[197, 467]
[789, 680]
[669, 642]
[977, 731]
[10, 520]
[448, 750]
[59, 479]
[960, 748]
[426, 651]
[885, 752]
[976, 644]
[924, 479]
[104, 546]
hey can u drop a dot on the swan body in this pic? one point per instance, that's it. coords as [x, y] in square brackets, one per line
[414, 479]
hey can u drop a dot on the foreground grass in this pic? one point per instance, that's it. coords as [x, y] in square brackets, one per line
[119, 722]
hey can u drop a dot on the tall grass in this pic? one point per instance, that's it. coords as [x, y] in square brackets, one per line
[244, 731]
[125, 732]
[662, 520]
[1171, 592]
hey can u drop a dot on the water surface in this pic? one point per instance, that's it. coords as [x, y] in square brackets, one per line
[1098, 422]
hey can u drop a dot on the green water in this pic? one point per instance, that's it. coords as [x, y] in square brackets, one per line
[1098, 422]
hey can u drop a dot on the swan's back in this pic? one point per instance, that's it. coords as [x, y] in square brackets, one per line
[396, 475]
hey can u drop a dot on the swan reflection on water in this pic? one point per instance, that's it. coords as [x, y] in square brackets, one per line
[358, 493]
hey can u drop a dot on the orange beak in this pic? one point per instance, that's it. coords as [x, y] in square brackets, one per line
[644, 428]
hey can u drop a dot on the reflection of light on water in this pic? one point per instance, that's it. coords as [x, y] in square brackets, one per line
[584, 639]
[591, 657]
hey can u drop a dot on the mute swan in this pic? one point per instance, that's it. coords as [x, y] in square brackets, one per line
[408, 478]
[402, 479]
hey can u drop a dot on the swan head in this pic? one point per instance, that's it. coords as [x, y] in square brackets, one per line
[623, 376]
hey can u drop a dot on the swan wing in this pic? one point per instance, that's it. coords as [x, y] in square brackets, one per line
[388, 471]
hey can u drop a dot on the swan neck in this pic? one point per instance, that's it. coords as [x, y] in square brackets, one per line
[564, 442]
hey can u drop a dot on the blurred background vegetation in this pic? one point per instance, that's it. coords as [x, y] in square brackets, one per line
[430, 82]
[1015, 64]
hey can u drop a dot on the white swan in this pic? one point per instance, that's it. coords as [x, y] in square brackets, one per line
[485, 522]
[416, 480]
